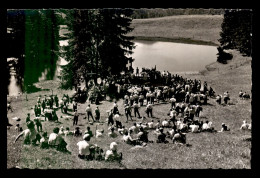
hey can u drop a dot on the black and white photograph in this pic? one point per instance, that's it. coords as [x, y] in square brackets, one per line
[129, 88]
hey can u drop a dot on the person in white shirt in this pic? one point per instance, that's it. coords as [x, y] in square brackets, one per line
[134, 128]
[89, 112]
[99, 133]
[128, 139]
[84, 146]
[226, 97]
[165, 123]
[149, 109]
[151, 125]
[194, 128]
[56, 140]
[112, 155]
[122, 130]
[136, 109]
[170, 133]
[173, 101]
[244, 126]
[205, 126]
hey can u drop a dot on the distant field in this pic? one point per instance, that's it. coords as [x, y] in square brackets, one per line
[187, 27]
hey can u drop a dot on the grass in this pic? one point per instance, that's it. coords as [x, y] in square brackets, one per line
[198, 29]
[209, 150]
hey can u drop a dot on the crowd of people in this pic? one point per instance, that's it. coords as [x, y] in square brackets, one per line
[185, 97]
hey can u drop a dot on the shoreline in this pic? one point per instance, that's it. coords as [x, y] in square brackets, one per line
[176, 40]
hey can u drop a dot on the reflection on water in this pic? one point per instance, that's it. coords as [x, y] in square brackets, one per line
[173, 57]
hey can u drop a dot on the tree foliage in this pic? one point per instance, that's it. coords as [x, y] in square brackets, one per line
[237, 31]
[98, 45]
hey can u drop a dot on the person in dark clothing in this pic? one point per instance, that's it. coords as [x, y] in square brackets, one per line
[110, 118]
[97, 112]
[75, 118]
[128, 112]
[56, 99]
[43, 105]
[161, 137]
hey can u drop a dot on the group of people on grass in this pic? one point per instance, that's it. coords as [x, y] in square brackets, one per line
[185, 97]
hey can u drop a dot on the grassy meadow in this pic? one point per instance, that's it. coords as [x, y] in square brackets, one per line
[199, 29]
[209, 150]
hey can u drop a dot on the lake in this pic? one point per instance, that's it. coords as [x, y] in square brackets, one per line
[173, 57]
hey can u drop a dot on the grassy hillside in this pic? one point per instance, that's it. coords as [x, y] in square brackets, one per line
[208, 150]
[179, 28]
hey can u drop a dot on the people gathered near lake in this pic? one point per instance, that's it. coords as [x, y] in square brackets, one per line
[184, 97]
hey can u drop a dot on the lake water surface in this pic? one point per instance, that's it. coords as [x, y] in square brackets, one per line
[173, 57]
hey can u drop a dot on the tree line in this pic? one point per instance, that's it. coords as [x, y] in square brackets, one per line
[161, 12]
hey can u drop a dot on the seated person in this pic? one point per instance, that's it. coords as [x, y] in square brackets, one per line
[170, 133]
[161, 138]
[56, 140]
[18, 128]
[44, 141]
[84, 148]
[194, 128]
[151, 125]
[128, 139]
[122, 130]
[112, 155]
[224, 127]
[205, 126]
[77, 132]
[112, 134]
[165, 123]
[134, 128]
[142, 136]
[179, 137]
[99, 133]
[88, 131]
[61, 132]
[68, 132]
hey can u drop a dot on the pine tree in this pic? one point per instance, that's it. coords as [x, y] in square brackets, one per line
[237, 30]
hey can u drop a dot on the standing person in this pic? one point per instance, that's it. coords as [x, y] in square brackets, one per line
[97, 112]
[198, 110]
[226, 97]
[56, 99]
[61, 103]
[148, 97]
[173, 101]
[137, 71]
[115, 108]
[128, 112]
[149, 109]
[152, 97]
[136, 109]
[74, 105]
[38, 124]
[28, 119]
[43, 105]
[141, 99]
[75, 118]
[126, 97]
[118, 121]
[131, 99]
[9, 107]
[110, 118]
[89, 112]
